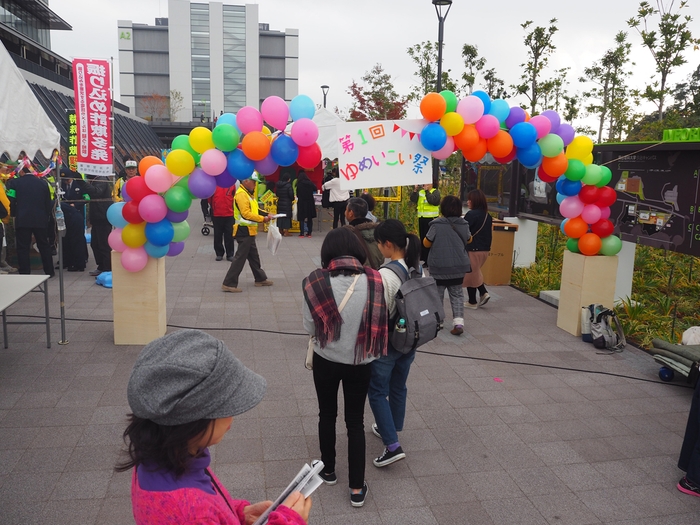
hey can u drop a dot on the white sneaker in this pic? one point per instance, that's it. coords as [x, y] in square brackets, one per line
[470, 305]
[484, 299]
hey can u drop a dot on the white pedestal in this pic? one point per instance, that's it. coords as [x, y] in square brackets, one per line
[139, 302]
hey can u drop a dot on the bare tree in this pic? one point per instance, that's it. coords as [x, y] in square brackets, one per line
[176, 104]
[154, 105]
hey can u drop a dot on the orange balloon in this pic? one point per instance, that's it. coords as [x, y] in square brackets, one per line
[501, 145]
[576, 228]
[433, 106]
[255, 145]
[555, 166]
[147, 162]
[589, 244]
[467, 138]
[527, 116]
[476, 153]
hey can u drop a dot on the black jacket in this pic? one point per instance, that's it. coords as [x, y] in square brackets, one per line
[32, 205]
[101, 200]
[480, 228]
[285, 197]
[306, 206]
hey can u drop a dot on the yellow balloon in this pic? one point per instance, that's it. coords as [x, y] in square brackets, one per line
[579, 148]
[200, 139]
[179, 162]
[453, 123]
[588, 159]
[134, 235]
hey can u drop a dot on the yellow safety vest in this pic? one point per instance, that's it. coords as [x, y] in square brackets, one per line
[117, 190]
[426, 210]
[240, 220]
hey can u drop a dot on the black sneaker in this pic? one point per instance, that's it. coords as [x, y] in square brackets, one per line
[357, 500]
[688, 487]
[375, 430]
[329, 478]
[389, 457]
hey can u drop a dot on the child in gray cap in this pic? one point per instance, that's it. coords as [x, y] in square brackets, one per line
[184, 391]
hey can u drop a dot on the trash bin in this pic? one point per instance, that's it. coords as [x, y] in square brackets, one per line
[498, 266]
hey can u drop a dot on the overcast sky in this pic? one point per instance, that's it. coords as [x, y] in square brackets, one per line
[341, 40]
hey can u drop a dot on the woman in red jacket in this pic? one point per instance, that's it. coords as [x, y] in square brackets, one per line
[222, 218]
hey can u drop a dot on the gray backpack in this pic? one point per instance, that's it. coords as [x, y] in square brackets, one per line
[419, 310]
[596, 328]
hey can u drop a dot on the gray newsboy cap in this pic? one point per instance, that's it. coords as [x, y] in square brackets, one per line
[190, 375]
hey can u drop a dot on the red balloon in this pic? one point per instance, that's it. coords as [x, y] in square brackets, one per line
[606, 197]
[602, 228]
[506, 159]
[589, 244]
[544, 177]
[130, 212]
[589, 194]
[137, 189]
[575, 228]
[309, 156]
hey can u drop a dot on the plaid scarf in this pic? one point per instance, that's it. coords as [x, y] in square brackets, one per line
[372, 335]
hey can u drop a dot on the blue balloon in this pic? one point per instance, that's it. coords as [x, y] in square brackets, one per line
[531, 156]
[240, 166]
[228, 118]
[568, 187]
[560, 198]
[301, 106]
[284, 150]
[500, 109]
[523, 134]
[433, 137]
[485, 99]
[160, 233]
[114, 215]
[561, 226]
[156, 251]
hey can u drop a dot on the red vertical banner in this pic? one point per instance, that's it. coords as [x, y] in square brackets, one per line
[93, 114]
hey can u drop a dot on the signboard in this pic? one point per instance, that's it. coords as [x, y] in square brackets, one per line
[382, 153]
[72, 159]
[93, 112]
[658, 194]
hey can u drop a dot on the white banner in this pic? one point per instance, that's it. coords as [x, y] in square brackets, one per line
[382, 153]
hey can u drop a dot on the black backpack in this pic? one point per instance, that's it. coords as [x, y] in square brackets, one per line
[419, 310]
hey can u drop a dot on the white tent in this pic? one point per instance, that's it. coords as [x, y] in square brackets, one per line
[327, 136]
[24, 125]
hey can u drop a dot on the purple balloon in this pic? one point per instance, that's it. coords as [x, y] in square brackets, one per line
[225, 180]
[566, 132]
[554, 118]
[267, 166]
[125, 195]
[175, 248]
[200, 184]
[174, 216]
[516, 115]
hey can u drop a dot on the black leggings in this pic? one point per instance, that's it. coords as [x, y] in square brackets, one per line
[339, 212]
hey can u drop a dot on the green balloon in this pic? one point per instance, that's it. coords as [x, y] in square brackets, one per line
[576, 170]
[225, 137]
[183, 142]
[593, 175]
[182, 231]
[178, 199]
[611, 245]
[572, 245]
[551, 145]
[451, 100]
[606, 176]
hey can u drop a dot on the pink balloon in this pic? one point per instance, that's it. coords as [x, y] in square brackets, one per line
[605, 212]
[471, 108]
[158, 178]
[249, 119]
[571, 207]
[115, 240]
[134, 259]
[275, 112]
[447, 150]
[542, 124]
[591, 213]
[267, 166]
[213, 162]
[152, 208]
[488, 126]
[304, 132]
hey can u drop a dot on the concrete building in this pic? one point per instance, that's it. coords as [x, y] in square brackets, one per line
[216, 55]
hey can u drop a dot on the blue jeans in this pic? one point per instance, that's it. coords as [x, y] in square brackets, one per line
[387, 392]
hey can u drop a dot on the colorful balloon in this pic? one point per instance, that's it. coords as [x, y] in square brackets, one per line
[610, 245]
[302, 106]
[152, 208]
[147, 162]
[551, 145]
[275, 112]
[158, 178]
[555, 166]
[249, 119]
[114, 215]
[200, 184]
[571, 207]
[433, 107]
[572, 245]
[484, 98]
[175, 248]
[471, 108]
[134, 259]
[228, 119]
[200, 139]
[137, 188]
[433, 136]
[309, 156]
[515, 116]
[453, 123]
[450, 100]
[447, 150]
[115, 240]
[607, 197]
[266, 166]
[467, 138]
[179, 162]
[156, 251]
[225, 136]
[593, 175]
[134, 235]
[500, 109]
[213, 161]
[175, 216]
[575, 170]
[283, 151]
[255, 145]
[530, 156]
[566, 132]
[160, 233]
[304, 133]
[590, 213]
[542, 124]
[589, 194]
[606, 176]
[476, 153]
[181, 231]
[131, 214]
[568, 187]
[589, 244]
[603, 228]
[240, 166]
[182, 142]
[178, 199]
[225, 180]
[553, 118]
[575, 227]
[524, 134]
[488, 126]
[501, 145]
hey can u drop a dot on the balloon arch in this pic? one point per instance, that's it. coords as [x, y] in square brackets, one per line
[152, 220]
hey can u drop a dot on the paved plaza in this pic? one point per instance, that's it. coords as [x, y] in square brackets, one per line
[516, 422]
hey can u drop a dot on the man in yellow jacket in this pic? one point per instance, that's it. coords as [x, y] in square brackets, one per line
[245, 229]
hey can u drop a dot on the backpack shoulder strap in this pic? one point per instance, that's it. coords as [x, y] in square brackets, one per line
[398, 269]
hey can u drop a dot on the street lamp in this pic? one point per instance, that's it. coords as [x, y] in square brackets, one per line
[325, 89]
[439, 6]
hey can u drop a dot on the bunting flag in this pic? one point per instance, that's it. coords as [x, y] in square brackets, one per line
[411, 134]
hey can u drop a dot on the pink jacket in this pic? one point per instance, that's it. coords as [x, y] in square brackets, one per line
[191, 506]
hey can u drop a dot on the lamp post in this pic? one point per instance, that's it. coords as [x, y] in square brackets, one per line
[439, 6]
[325, 89]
